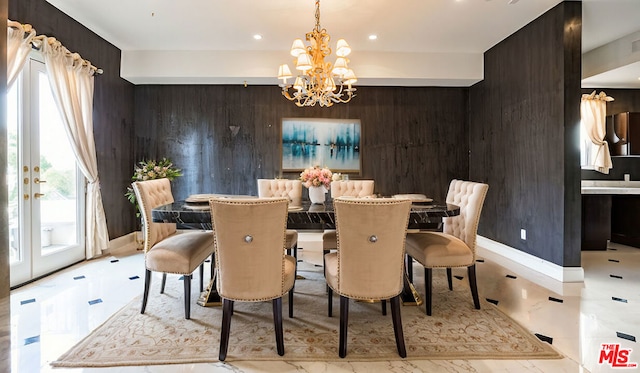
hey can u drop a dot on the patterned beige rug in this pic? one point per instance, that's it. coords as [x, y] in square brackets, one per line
[162, 336]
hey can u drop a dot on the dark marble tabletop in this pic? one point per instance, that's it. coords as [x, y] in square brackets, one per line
[308, 216]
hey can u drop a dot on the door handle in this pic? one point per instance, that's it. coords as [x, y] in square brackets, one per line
[38, 195]
[38, 181]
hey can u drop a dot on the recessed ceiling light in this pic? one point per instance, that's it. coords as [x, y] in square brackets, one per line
[257, 37]
[373, 37]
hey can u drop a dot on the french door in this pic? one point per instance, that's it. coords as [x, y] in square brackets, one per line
[46, 189]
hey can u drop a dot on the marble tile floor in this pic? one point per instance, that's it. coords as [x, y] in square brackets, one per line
[51, 315]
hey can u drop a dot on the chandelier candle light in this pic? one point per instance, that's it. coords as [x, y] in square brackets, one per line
[319, 82]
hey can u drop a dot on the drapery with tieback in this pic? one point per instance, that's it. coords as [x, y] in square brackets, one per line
[71, 79]
[593, 110]
[19, 38]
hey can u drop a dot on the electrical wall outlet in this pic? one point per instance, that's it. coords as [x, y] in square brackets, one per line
[523, 234]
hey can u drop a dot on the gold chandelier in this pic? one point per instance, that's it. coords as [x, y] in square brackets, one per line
[318, 82]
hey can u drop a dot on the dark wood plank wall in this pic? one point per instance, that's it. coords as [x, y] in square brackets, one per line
[571, 40]
[414, 139]
[113, 105]
[524, 120]
[624, 100]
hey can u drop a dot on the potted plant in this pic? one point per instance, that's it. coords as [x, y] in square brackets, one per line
[150, 170]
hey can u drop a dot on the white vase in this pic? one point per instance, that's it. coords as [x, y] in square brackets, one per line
[316, 194]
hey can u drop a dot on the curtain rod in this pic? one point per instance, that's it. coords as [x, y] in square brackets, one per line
[37, 42]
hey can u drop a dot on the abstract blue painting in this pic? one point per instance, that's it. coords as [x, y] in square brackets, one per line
[332, 143]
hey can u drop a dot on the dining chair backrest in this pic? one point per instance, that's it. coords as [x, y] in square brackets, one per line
[371, 235]
[469, 196]
[151, 194]
[290, 189]
[249, 240]
[352, 188]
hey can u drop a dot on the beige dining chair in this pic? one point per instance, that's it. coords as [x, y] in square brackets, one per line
[455, 246]
[250, 257]
[290, 189]
[165, 249]
[345, 188]
[369, 261]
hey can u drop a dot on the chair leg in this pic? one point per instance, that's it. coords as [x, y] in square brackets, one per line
[427, 289]
[201, 277]
[471, 270]
[409, 267]
[344, 321]
[292, 288]
[213, 266]
[324, 252]
[187, 296]
[384, 307]
[277, 323]
[330, 302]
[397, 326]
[147, 284]
[291, 303]
[449, 279]
[227, 309]
[164, 281]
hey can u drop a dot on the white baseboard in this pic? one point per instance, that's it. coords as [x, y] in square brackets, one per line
[124, 244]
[507, 256]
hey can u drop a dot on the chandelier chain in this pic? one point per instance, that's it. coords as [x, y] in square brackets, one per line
[318, 15]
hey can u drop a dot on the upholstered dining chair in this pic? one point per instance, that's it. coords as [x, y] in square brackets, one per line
[249, 239]
[369, 261]
[352, 188]
[291, 189]
[165, 249]
[455, 246]
[345, 188]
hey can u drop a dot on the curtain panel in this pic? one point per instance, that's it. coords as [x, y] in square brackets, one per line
[71, 79]
[19, 38]
[593, 111]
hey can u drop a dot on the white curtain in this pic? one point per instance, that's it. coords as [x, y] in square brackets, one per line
[71, 80]
[19, 38]
[593, 110]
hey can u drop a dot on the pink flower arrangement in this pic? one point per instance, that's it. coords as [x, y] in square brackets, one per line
[316, 176]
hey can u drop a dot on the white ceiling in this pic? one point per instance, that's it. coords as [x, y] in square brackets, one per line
[420, 42]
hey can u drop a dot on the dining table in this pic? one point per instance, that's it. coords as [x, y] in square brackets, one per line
[194, 213]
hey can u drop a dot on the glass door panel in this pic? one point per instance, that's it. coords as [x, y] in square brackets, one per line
[46, 191]
[14, 175]
[57, 178]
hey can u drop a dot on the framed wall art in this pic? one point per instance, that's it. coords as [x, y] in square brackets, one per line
[332, 143]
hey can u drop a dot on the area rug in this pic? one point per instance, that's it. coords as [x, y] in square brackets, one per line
[162, 335]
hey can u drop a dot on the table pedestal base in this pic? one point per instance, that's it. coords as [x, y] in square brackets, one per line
[210, 297]
[409, 295]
